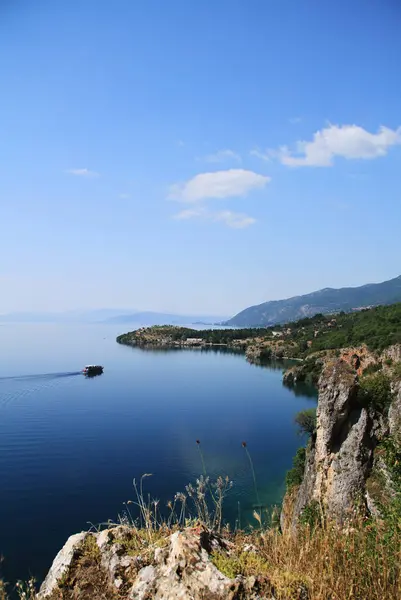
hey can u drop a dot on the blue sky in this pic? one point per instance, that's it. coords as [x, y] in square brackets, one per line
[196, 155]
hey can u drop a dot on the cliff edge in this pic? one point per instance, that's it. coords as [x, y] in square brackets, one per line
[358, 419]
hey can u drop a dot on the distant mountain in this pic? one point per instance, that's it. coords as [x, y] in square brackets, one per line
[154, 318]
[109, 315]
[324, 301]
[69, 316]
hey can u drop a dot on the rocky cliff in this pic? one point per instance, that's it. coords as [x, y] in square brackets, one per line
[344, 466]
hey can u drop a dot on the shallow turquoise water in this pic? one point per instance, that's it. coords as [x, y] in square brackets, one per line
[70, 446]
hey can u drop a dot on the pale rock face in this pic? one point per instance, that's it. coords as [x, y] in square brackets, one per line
[394, 415]
[393, 352]
[61, 564]
[341, 455]
[118, 565]
[182, 571]
[339, 458]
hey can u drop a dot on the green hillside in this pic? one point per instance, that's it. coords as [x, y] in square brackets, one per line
[326, 301]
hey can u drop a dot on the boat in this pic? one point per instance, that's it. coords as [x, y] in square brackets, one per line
[92, 370]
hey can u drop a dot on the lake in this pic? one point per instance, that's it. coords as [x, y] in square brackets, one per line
[71, 446]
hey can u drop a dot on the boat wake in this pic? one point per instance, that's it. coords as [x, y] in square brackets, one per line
[47, 376]
[20, 386]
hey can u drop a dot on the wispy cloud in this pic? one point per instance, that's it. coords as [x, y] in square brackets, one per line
[222, 156]
[218, 184]
[295, 120]
[267, 155]
[83, 173]
[233, 219]
[227, 217]
[125, 196]
[346, 141]
[191, 213]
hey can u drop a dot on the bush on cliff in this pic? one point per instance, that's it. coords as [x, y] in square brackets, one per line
[375, 391]
[295, 475]
[306, 421]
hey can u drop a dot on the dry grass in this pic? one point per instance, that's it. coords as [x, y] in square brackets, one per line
[3, 595]
[360, 562]
[86, 580]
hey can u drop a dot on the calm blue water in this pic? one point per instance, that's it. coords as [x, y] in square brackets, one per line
[70, 446]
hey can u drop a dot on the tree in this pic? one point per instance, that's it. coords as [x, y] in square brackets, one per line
[306, 421]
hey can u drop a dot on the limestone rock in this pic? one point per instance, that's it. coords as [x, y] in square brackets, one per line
[340, 455]
[394, 415]
[183, 570]
[115, 561]
[61, 564]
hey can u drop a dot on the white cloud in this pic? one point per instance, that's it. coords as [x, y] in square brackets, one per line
[234, 220]
[295, 120]
[191, 213]
[267, 156]
[219, 184]
[223, 156]
[347, 141]
[125, 196]
[83, 173]
[229, 218]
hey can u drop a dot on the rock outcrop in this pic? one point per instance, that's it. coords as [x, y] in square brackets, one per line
[340, 453]
[61, 564]
[340, 456]
[176, 567]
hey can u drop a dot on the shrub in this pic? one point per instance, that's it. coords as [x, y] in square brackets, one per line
[373, 368]
[306, 421]
[295, 475]
[397, 370]
[375, 391]
[311, 515]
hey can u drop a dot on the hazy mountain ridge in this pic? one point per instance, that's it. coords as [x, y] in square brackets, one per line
[325, 301]
[108, 316]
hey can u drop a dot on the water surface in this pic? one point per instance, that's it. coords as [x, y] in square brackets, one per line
[70, 446]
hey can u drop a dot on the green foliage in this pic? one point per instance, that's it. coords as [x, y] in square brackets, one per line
[378, 328]
[295, 475]
[375, 391]
[306, 421]
[397, 370]
[246, 564]
[392, 458]
[373, 368]
[325, 301]
[311, 515]
[388, 527]
[309, 371]
[180, 334]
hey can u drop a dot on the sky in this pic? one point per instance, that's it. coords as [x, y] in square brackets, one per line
[196, 156]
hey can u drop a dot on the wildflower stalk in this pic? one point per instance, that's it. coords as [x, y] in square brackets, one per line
[259, 506]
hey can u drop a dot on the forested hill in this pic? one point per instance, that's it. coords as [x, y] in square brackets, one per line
[378, 328]
[326, 301]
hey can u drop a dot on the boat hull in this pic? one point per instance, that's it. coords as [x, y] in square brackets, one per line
[92, 370]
